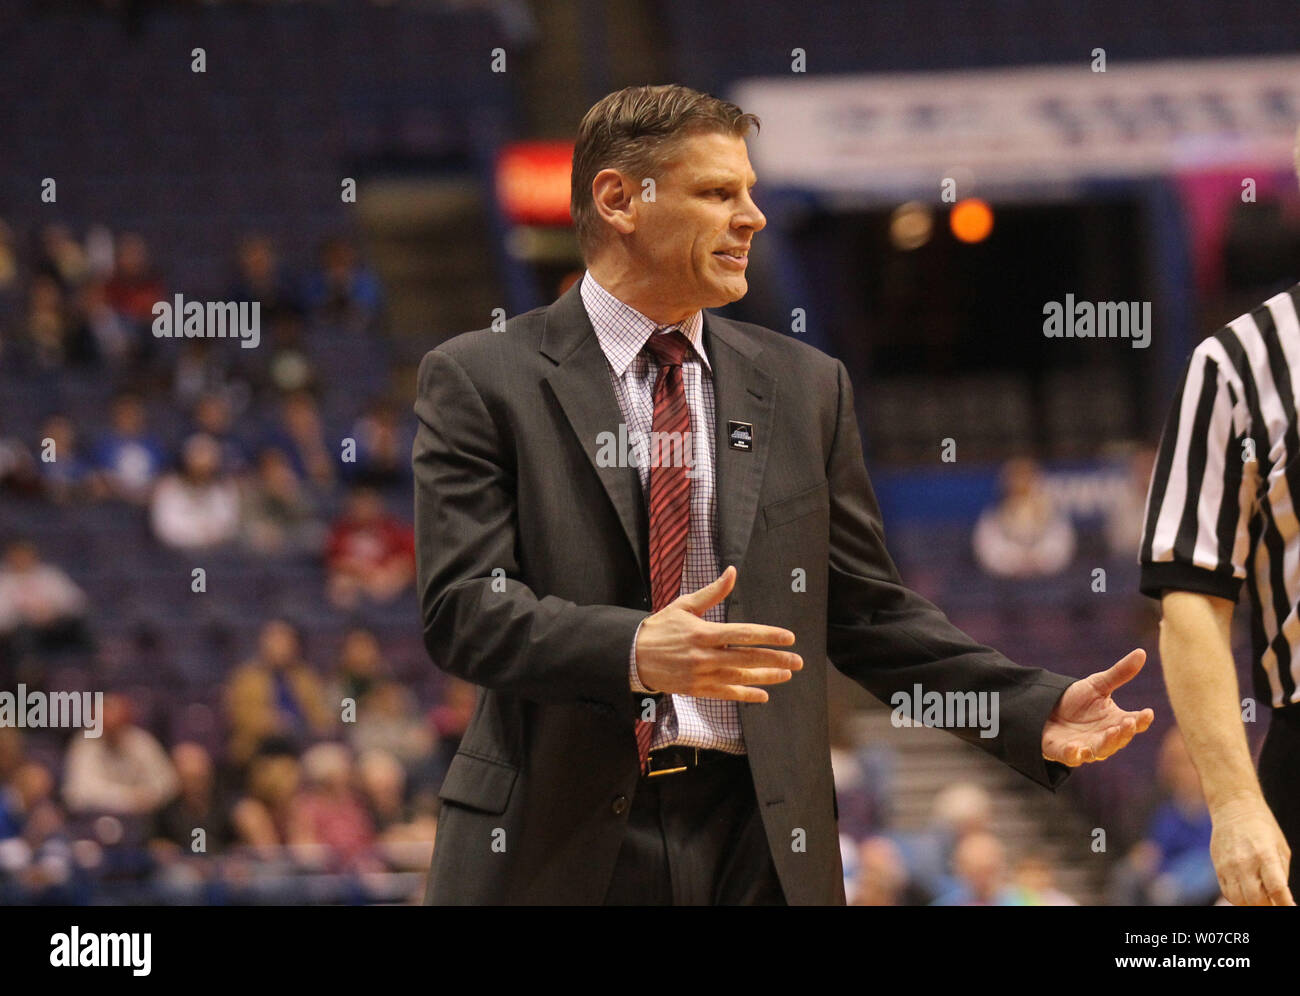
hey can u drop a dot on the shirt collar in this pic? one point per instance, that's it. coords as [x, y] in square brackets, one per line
[623, 331]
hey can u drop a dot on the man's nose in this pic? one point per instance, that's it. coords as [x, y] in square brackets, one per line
[751, 217]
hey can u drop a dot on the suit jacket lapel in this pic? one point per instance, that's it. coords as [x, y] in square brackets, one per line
[744, 390]
[580, 382]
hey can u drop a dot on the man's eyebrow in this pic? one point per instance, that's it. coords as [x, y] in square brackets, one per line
[721, 180]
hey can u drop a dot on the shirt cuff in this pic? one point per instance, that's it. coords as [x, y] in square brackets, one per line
[633, 679]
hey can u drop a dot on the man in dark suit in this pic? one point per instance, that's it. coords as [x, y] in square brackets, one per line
[651, 728]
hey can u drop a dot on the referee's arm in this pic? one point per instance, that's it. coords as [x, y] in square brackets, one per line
[1193, 559]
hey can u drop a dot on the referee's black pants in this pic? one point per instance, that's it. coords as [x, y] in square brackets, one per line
[695, 838]
[1279, 763]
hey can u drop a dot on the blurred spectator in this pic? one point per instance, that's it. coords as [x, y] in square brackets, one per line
[22, 795]
[288, 367]
[203, 368]
[41, 608]
[261, 278]
[128, 457]
[370, 553]
[8, 261]
[34, 851]
[199, 506]
[300, 434]
[214, 416]
[1172, 866]
[1035, 886]
[980, 865]
[1024, 535]
[388, 720]
[450, 719]
[1125, 517]
[862, 787]
[383, 457]
[54, 340]
[115, 341]
[343, 292]
[881, 878]
[197, 805]
[262, 815]
[383, 786]
[279, 515]
[329, 812]
[125, 771]
[406, 831]
[65, 474]
[11, 751]
[60, 257]
[134, 288]
[958, 810]
[360, 666]
[18, 472]
[274, 695]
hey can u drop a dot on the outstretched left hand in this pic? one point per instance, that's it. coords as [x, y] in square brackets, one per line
[1086, 724]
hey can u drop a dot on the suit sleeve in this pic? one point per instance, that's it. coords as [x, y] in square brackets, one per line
[889, 639]
[481, 622]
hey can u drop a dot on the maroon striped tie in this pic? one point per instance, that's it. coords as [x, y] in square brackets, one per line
[669, 452]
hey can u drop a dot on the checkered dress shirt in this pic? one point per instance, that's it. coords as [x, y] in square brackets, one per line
[622, 332]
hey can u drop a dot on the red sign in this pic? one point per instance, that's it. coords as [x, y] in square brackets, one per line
[533, 182]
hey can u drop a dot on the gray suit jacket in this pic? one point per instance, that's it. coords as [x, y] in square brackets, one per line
[534, 573]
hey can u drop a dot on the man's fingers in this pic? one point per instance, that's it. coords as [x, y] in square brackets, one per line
[1253, 892]
[1121, 672]
[745, 657]
[739, 693]
[1231, 888]
[729, 675]
[1273, 877]
[732, 634]
[1118, 737]
[701, 600]
[751, 676]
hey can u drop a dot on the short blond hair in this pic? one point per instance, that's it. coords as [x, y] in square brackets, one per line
[636, 130]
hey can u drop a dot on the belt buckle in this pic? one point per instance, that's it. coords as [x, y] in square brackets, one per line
[673, 771]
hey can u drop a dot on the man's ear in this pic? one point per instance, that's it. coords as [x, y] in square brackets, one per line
[612, 195]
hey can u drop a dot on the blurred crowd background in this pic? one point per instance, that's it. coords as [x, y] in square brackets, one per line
[282, 700]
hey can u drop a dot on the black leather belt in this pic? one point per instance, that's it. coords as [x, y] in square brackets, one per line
[674, 760]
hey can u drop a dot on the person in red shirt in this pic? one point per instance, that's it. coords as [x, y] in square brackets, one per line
[370, 553]
[135, 287]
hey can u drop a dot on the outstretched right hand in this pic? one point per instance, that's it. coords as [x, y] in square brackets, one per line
[679, 652]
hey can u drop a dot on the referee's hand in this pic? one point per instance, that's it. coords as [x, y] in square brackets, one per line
[1087, 725]
[1251, 857]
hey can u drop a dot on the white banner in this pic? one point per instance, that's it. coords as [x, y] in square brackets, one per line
[883, 132]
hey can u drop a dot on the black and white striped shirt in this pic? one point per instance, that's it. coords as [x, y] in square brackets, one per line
[1220, 509]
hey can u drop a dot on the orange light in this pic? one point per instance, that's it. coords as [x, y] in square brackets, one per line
[971, 220]
[533, 182]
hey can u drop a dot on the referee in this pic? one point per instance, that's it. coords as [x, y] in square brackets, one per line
[1221, 510]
